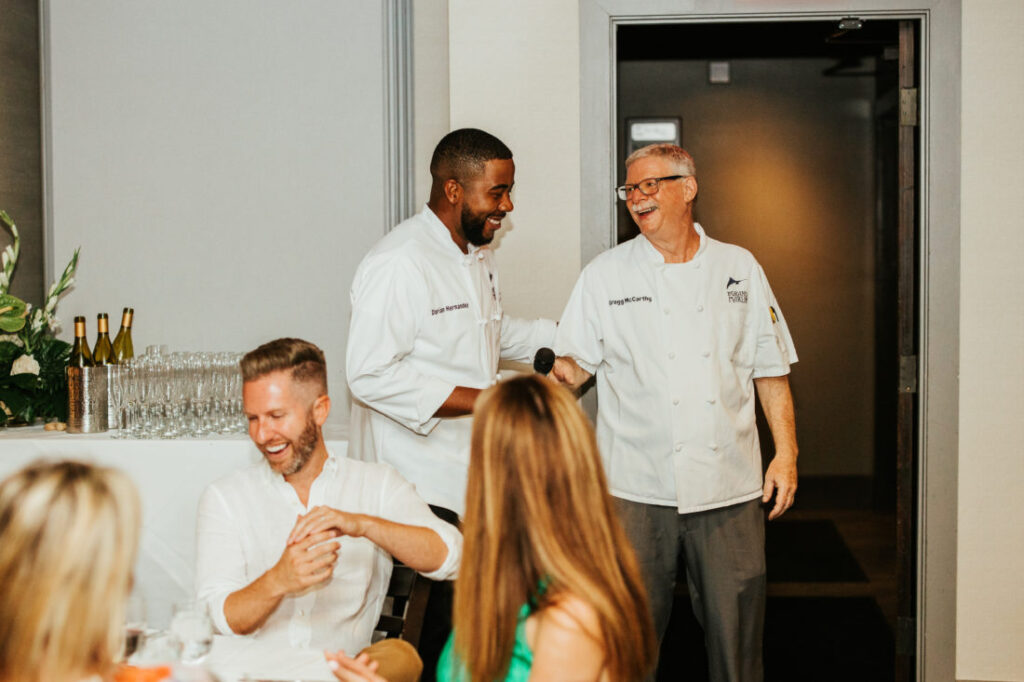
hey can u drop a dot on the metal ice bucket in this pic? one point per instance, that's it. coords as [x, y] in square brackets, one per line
[87, 399]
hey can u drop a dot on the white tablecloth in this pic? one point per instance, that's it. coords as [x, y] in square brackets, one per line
[239, 659]
[171, 475]
[243, 658]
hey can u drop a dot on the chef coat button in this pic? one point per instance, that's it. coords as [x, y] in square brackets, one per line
[301, 612]
[700, 309]
[671, 356]
[675, 401]
[711, 401]
[679, 447]
[706, 354]
[666, 311]
[713, 446]
[697, 266]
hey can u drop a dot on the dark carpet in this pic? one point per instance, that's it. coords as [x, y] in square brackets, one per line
[830, 639]
[810, 551]
[806, 639]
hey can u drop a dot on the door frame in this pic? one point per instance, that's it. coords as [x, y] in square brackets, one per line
[938, 275]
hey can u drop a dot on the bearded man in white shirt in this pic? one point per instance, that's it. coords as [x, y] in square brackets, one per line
[297, 549]
[680, 329]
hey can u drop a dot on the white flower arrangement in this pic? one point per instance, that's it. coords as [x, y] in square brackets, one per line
[25, 364]
[33, 361]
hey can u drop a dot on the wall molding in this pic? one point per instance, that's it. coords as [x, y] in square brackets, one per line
[399, 183]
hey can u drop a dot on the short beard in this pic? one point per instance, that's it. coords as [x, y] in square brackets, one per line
[473, 228]
[302, 448]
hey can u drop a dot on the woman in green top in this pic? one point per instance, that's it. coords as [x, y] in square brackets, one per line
[548, 588]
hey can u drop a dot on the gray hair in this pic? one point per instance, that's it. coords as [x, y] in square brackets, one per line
[679, 157]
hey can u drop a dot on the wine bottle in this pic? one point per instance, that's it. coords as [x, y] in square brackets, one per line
[123, 349]
[102, 352]
[80, 355]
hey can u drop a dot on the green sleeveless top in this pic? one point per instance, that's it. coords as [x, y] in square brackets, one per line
[449, 669]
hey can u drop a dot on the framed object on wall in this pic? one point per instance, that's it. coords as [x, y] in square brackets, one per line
[643, 131]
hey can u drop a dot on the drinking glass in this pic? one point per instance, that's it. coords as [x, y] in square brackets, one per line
[149, 397]
[192, 628]
[128, 377]
[115, 393]
[199, 391]
[134, 624]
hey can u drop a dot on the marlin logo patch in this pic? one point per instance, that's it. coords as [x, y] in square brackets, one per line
[734, 281]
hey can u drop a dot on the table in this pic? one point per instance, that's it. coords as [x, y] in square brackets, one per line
[171, 475]
[241, 659]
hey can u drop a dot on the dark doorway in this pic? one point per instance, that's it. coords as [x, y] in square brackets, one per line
[797, 144]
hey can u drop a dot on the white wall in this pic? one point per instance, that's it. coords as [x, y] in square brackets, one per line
[431, 119]
[990, 599]
[220, 164]
[515, 73]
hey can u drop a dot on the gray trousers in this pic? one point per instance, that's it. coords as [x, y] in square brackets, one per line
[723, 550]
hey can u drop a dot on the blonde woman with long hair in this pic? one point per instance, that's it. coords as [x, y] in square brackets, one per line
[68, 537]
[549, 588]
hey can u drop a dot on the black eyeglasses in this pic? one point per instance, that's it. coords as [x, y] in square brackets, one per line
[647, 187]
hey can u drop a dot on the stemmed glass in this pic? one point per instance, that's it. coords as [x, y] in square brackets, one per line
[178, 395]
[115, 393]
[174, 393]
[192, 627]
[199, 389]
[148, 379]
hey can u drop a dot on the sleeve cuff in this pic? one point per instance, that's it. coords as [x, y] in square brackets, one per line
[215, 605]
[776, 371]
[452, 539]
[547, 329]
[431, 398]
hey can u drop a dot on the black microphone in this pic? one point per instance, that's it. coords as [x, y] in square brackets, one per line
[543, 361]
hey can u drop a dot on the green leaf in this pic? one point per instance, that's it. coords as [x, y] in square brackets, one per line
[24, 381]
[15, 400]
[8, 352]
[52, 397]
[12, 317]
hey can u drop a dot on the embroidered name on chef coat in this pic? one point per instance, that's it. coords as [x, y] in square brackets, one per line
[449, 308]
[629, 299]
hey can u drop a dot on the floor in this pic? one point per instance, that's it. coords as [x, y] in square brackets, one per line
[815, 630]
[871, 538]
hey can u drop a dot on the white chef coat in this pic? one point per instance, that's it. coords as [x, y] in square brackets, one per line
[243, 525]
[675, 347]
[425, 319]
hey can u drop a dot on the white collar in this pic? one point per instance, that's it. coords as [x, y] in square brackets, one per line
[275, 479]
[439, 232]
[655, 257]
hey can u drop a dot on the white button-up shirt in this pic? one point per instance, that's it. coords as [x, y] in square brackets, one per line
[675, 348]
[245, 519]
[425, 319]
